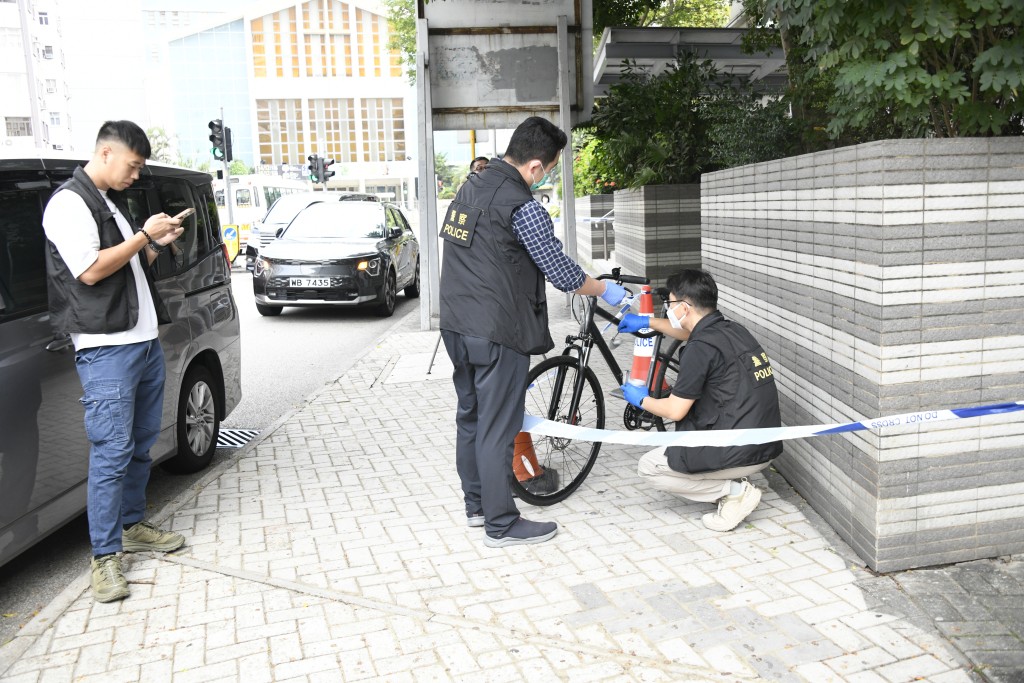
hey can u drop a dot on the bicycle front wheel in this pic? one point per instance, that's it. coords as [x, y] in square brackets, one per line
[554, 467]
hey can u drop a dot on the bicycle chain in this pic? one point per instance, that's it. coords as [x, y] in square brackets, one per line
[635, 418]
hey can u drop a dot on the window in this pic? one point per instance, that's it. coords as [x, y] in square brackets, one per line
[22, 249]
[243, 197]
[51, 85]
[48, 52]
[18, 126]
[55, 118]
[220, 197]
[148, 197]
[383, 129]
[44, 19]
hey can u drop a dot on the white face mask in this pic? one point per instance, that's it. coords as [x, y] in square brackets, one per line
[675, 322]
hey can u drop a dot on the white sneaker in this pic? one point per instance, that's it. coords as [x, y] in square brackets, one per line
[733, 509]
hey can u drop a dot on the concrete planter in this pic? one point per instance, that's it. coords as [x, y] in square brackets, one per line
[888, 278]
[658, 230]
[594, 239]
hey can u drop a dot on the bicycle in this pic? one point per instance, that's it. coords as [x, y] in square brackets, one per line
[565, 388]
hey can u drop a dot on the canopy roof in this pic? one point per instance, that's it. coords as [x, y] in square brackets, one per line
[655, 48]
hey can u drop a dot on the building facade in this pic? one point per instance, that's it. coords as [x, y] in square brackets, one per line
[301, 78]
[33, 79]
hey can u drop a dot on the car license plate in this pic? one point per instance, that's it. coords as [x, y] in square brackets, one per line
[309, 282]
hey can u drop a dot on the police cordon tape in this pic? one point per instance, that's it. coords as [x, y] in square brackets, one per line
[746, 437]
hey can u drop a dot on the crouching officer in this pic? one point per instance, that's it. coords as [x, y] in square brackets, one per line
[725, 381]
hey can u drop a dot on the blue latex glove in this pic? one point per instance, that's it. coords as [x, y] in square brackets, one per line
[634, 323]
[634, 393]
[613, 293]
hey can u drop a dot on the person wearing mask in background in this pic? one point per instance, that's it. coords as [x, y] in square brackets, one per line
[101, 292]
[499, 246]
[478, 164]
[725, 381]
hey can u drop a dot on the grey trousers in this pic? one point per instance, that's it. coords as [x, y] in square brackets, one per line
[704, 487]
[490, 381]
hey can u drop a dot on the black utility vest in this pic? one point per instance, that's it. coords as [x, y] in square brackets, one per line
[110, 305]
[490, 287]
[745, 398]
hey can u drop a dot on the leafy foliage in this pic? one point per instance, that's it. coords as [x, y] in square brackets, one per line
[161, 145]
[402, 33]
[590, 173]
[941, 67]
[706, 13]
[674, 126]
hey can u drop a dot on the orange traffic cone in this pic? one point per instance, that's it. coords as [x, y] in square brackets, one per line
[643, 349]
[524, 460]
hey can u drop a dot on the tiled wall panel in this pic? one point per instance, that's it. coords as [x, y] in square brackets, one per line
[888, 278]
[658, 230]
[595, 238]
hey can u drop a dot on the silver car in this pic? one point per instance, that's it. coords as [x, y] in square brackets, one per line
[44, 452]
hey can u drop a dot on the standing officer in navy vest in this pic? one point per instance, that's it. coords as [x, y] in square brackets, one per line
[101, 292]
[499, 245]
[725, 381]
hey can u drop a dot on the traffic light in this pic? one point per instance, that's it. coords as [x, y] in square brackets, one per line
[314, 168]
[326, 171]
[217, 138]
[227, 145]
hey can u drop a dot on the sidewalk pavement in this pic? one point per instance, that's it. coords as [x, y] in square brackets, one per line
[335, 548]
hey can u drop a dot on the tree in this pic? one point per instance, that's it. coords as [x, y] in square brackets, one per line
[402, 33]
[161, 144]
[447, 174]
[940, 67]
[239, 167]
[706, 13]
[676, 125]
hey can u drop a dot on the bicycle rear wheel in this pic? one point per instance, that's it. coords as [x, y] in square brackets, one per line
[665, 373]
[560, 465]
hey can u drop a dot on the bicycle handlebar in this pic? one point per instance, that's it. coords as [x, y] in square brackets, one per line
[627, 279]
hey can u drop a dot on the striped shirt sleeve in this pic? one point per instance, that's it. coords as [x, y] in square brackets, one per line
[532, 226]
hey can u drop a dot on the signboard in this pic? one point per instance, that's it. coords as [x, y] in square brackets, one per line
[493, 63]
[229, 233]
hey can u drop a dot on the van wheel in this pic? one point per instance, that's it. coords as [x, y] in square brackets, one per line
[388, 294]
[198, 422]
[413, 290]
[269, 311]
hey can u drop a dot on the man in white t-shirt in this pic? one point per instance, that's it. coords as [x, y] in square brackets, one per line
[101, 292]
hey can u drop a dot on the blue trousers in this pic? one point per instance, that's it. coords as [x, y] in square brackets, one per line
[490, 381]
[124, 393]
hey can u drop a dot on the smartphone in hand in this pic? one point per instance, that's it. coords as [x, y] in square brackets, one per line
[184, 214]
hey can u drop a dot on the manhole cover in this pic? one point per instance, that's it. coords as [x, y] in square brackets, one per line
[235, 438]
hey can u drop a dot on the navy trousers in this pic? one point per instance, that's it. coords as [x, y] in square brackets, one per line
[490, 381]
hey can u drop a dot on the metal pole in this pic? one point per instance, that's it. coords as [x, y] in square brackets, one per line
[565, 112]
[472, 145]
[30, 74]
[430, 305]
[229, 197]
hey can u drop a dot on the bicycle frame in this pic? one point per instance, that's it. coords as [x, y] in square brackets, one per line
[588, 337]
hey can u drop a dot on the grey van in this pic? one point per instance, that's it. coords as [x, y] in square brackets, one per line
[44, 453]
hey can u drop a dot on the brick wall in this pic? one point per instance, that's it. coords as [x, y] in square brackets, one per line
[888, 278]
[658, 230]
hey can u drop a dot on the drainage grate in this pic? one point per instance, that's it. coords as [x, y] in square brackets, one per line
[235, 438]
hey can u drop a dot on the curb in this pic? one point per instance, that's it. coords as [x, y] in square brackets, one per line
[30, 632]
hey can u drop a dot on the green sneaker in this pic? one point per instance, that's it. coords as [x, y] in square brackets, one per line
[108, 582]
[144, 536]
